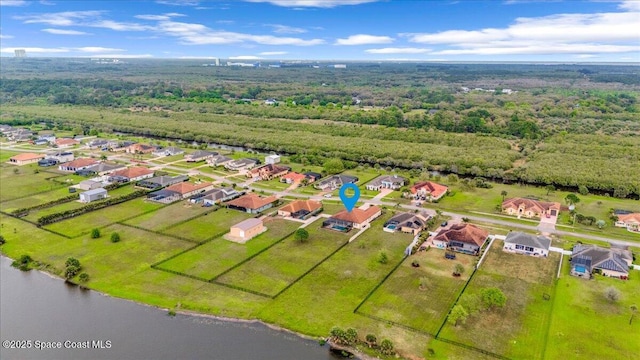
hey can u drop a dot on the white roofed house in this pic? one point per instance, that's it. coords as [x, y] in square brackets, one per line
[393, 182]
[93, 195]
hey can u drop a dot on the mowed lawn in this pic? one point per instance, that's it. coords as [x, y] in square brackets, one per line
[401, 299]
[273, 270]
[36, 199]
[25, 182]
[586, 325]
[216, 256]
[519, 329]
[207, 226]
[96, 219]
[168, 216]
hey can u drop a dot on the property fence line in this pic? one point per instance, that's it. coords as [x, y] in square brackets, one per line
[379, 284]
[473, 348]
[158, 233]
[239, 288]
[180, 274]
[35, 224]
[456, 301]
[406, 327]
[486, 251]
[553, 302]
[188, 219]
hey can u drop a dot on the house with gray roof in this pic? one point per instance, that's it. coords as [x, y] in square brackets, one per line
[335, 182]
[168, 151]
[587, 260]
[393, 182]
[241, 164]
[159, 182]
[218, 160]
[101, 169]
[199, 155]
[521, 243]
[216, 196]
[412, 223]
[93, 195]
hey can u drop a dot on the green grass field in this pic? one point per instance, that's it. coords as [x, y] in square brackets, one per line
[401, 299]
[206, 226]
[519, 329]
[273, 270]
[168, 216]
[25, 182]
[216, 256]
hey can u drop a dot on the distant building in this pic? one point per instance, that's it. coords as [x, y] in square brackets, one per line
[246, 230]
[89, 185]
[272, 159]
[93, 195]
[25, 158]
[20, 53]
[340, 66]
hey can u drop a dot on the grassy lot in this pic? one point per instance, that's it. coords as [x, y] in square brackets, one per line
[168, 216]
[273, 270]
[36, 199]
[168, 159]
[206, 226]
[586, 325]
[5, 155]
[211, 259]
[519, 329]
[24, 183]
[188, 165]
[271, 185]
[401, 299]
[84, 223]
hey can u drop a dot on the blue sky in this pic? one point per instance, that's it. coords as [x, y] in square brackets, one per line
[508, 30]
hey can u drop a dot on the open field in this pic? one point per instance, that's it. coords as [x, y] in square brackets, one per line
[585, 324]
[25, 182]
[211, 259]
[273, 270]
[96, 219]
[519, 329]
[168, 216]
[402, 300]
[206, 226]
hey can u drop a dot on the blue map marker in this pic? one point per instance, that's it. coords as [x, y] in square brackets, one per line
[349, 202]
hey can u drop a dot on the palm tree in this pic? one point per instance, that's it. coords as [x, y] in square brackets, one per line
[504, 194]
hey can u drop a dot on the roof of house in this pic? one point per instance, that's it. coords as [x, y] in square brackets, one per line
[187, 187]
[466, 233]
[434, 189]
[89, 182]
[248, 224]
[133, 172]
[220, 158]
[294, 176]
[252, 201]
[357, 215]
[95, 191]
[82, 162]
[530, 204]
[101, 167]
[597, 257]
[66, 141]
[244, 161]
[520, 238]
[395, 179]
[309, 205]
[201, 153]
[411, 220]
[270, 169]
[27, 157]
[629, 218]
[340, 179]
[165, 180]
[312, 174]
[141, 147]
[217, 194]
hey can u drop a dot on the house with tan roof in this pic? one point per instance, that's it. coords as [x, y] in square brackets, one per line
[428, 191]
[187, 189]
[630, 221]
[25, 158]
[77, 164]
[530, 208]
[464, 238]
[268, 172]
[301, 209]
[292, 177]
[246, 230]
[357, 218]
[412, 223]
[66, 142]
[252, 203]
[140, 149]
[134, 173]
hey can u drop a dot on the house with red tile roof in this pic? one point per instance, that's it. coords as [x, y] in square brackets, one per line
[140, 149]
[464, 238]
[134, 173]
[66, 142]
[357, 218]
[252, 203]
[530, 208]
[292, 177]
[77, 164]
[268, 172]
[187, 189]
[25, 158]
[629, 221]
[301, 209]
[428, 190]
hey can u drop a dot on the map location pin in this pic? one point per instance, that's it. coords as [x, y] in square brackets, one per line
[349, 202]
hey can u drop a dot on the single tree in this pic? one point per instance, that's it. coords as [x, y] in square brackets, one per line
[103, 157]
[458, 315]
[115, 237]
[572, 199]
[72, 262]
[386, 347]
[600, 224]
[550, 188]
[95, 233]
[371, 340]
[612, 294]
[583, 190]
[84, 277]
[382, 257]
[458, 269]
[333, 166]
[351, 336]
[504, 194]
[2, 240]
[493, 297]
[301, 235]
[71, 271]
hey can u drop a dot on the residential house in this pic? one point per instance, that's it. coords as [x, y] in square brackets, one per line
[357, 218]
[164, 196]
[268, 172]
[312, 176]
[45, 139]
[19, 135]
[292, 177]
[464, 238]
[270, 101]
[630, 221]
[252, 203]
[218, 160]
[40, 142]
[246, 230]
[89, 185]
[117, 146]
[335, 182]
[428, 191]
[217, 196]
[199, 155]
[530, 208]
[301, 209]
[241, 164]
[272, 159]
[140, 149]
[5, 129]
[66, 142]
[187, 189]
[93, 195]
[134, 173]
[587, 260]
[77, 164]
[47, 162]
[521, 243]
[60, 156]
[160, 182]
[25, 158]
[98, 144]
[101, 169]
[168, 151]
[412, 223]
[393, 182]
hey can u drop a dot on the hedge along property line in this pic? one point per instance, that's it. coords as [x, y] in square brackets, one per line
[355, 311]
[53, 218]
[553, 302]
[35, 224]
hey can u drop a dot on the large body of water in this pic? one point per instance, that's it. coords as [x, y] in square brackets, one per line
[35, 307]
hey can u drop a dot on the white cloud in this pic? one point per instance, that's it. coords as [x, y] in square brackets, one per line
[152, 17]
[363, 39]
[179, 2]
[13, 3]
[119, 26]
[96, 49]
[245, 57]
[36, 50]
[585, 56]
[313, 3]
[542, 49]
[2, 36]
[273, 53]
[633, 5]
[48, 3]
[284, 29]
[398, 51]
[65, 18]
[64, 32]
[120, 56]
